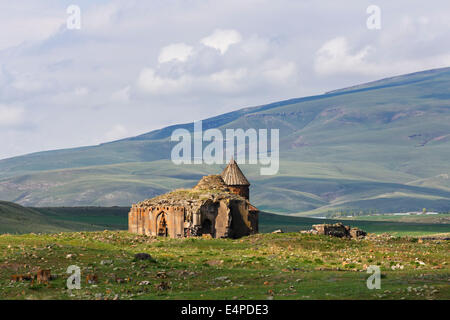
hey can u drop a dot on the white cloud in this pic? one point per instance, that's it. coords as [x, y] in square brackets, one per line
[149, 81]
[228, 80]
[100, 17]
[335, 57]
[11, 116]
[32, 28]
[81, 91]
[176, 51]
[122, 95]
[29, 82]
[249, 66]
[279, 72]
[116, 132]
[122, 66]
[222, 39]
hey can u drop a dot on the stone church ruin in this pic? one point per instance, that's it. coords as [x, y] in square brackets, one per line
[218, 206]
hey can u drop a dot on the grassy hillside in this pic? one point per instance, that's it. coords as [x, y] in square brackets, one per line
[377, 147]
[264, 266]
[17, 219]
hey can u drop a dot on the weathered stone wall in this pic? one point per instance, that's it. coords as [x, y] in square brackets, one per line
[338, 230]
[241, 224]
[145, 220]
[211, 207]
[253, 217]
[221, 219]
[242, 191]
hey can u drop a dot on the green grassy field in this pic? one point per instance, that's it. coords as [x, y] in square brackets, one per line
[270, 222]
[274, 266]
[264, 266]
[110, 218]
[435, 218]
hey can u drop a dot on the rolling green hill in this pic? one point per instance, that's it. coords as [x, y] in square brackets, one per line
[378, 147]
[16, 219]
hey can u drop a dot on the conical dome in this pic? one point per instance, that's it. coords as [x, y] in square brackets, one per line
[211, 182]
[233, 176]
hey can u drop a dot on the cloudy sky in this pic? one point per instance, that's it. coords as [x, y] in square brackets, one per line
[135, 66]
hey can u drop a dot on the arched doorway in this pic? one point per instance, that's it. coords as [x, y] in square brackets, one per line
[207, 227]
[161, 225]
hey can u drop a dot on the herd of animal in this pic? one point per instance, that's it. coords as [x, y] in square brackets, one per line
[44, 276]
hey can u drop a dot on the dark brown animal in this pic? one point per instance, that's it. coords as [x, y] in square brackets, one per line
[21, 277]
[44, 276]
[91, 279]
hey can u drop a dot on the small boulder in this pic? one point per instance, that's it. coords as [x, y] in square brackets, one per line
[357, 233]
[161, 274]
[338, 230]
[214, 262]
[162, 286]
[142, 256]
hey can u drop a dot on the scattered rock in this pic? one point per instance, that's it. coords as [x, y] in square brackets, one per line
[337, 230]
[119, 280]
[356, 233]
[278, 231]
[214, 262]
[162, 286]
[420, 262]
[98, 296]
[397, 266]
[142, 256]
[437, 237]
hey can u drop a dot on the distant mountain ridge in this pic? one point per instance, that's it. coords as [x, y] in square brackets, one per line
[379, 146]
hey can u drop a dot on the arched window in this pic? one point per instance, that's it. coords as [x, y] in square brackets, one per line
[161, 225]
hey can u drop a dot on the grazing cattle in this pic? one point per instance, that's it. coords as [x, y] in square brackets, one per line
[21, 277]
[43, 276]
[91, 279]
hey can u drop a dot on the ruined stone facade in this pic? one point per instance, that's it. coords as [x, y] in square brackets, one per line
[211, 208]
[337, 230]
